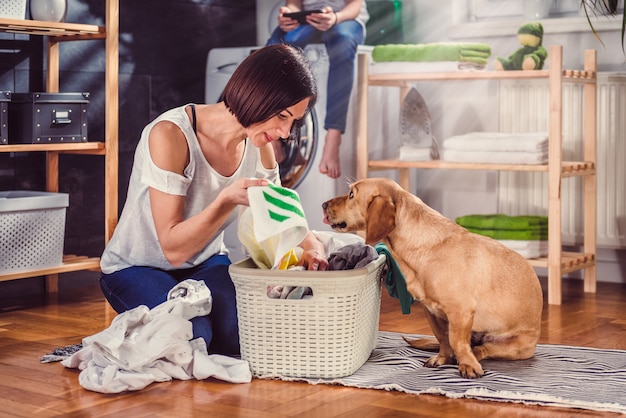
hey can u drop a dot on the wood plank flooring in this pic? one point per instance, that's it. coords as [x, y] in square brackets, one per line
[29, 329]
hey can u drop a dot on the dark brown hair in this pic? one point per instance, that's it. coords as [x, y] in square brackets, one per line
[267, 82]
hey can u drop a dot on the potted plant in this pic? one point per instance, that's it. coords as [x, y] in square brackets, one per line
[602, 7]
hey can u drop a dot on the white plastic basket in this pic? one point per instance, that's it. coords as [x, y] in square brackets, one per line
[328, 335]
[32, 230]
[13, 9]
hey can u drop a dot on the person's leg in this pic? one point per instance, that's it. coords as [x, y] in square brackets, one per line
[134, 286]
[128, 288]
[341, 44]
[299, 37]
[223, 317]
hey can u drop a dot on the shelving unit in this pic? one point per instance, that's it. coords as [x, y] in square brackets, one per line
[56, 33]
[558, 261]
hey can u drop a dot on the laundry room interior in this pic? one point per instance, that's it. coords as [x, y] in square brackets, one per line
[173, 52]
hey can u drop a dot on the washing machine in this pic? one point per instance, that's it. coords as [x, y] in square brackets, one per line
[300, 171]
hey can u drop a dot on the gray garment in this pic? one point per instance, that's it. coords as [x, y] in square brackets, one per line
[135, 241]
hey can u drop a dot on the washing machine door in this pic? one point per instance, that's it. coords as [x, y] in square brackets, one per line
[295, 156]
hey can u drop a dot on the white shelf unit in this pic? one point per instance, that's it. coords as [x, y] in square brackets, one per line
[558, 262]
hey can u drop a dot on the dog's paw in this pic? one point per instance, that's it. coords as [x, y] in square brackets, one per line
[437, 361]
[470, 372]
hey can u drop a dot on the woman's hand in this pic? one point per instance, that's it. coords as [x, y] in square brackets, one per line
[314, 255]
[237, 193]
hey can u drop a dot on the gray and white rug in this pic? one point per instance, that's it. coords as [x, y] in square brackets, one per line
[563, 376]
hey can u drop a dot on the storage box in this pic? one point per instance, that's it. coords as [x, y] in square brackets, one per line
[32, 229]
[5, 97]
[329, 335]
[41, 118]
[13, 9]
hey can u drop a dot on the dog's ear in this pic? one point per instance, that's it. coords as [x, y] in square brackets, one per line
[381, 218]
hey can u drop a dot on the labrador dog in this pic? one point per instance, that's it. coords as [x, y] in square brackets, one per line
[482, 299]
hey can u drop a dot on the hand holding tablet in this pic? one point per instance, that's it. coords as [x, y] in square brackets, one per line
[301, 16]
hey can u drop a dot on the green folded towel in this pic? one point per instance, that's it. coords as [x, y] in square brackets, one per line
[506, 222]
[519, 235]
[394, 282]
[477, 53]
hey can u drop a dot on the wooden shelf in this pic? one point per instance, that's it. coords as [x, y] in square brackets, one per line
[405, 79]
[558, 262]
[78, 147]
[63, 31]
[70, 263]
[569, 168]
[56, 33]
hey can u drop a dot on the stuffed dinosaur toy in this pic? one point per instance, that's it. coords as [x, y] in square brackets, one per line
[531, 56]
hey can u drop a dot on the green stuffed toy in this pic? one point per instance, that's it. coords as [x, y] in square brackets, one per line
[531, 56]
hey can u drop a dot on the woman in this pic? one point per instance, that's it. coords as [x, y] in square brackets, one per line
[192, 168]
[340, 25]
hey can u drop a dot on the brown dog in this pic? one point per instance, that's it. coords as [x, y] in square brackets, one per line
[482, 299]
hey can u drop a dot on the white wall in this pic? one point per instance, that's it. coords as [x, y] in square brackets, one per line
[458, 108]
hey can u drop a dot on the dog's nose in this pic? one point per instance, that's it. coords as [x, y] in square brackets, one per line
[325, 205]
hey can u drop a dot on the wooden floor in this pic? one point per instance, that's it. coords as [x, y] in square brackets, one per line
[31, 389]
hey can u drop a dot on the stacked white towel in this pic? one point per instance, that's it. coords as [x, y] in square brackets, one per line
[497, 148]
[527, 248]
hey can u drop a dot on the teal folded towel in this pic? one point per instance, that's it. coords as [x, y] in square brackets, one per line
[477, 53]
[394, 282]
[506, 222]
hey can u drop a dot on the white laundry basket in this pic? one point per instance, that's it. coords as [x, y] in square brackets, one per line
[32, 230]
[328, 335]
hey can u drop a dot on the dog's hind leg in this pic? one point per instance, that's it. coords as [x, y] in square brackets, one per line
[515, 347]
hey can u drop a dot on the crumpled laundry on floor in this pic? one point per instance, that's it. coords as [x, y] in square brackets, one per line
[142, 346]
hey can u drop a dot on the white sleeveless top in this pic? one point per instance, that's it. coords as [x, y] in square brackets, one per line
[135, 242]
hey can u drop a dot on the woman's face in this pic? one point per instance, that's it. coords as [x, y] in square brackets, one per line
[278, 126]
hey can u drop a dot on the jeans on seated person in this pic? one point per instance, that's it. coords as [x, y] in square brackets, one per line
[134, 286]
[341, 43]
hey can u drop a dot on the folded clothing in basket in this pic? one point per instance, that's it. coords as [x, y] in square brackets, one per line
[476, 53]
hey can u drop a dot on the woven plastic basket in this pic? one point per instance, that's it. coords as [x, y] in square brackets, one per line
[32, 230]
[329, 335]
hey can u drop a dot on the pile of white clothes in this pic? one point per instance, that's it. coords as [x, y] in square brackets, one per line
[497, 148]
[142, 346]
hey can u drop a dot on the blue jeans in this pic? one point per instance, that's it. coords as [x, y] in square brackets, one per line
[341, 43]
[134, 286]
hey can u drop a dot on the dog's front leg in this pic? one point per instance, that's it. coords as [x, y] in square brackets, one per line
[439, 327]
[460, 334]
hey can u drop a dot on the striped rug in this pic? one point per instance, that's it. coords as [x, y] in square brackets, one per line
[563, 376]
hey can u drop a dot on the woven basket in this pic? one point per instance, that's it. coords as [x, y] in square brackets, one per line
[328, 335]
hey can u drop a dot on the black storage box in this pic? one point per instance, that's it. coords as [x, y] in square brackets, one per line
[5, 97]
[42, 118]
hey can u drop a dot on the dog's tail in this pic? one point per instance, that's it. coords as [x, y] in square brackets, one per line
[426, 344]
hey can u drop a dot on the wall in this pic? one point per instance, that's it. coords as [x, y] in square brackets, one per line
[458, 108]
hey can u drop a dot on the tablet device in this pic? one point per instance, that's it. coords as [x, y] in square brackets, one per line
[301, 16]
